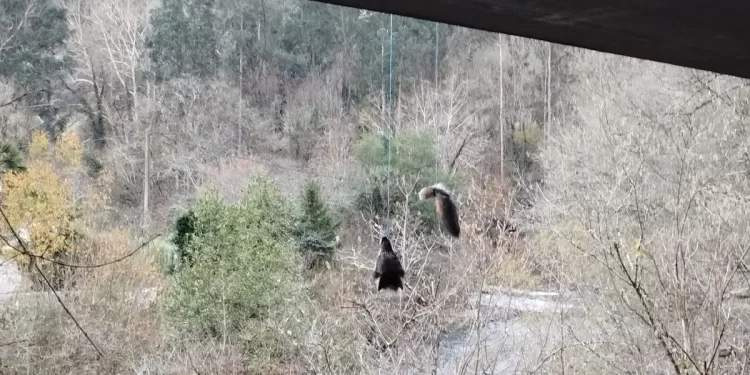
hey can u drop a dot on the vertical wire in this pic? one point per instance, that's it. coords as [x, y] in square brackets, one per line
[437, 96]
[438, 148]
[390, 118]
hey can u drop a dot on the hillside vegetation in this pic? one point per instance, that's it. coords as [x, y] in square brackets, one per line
[204, 185]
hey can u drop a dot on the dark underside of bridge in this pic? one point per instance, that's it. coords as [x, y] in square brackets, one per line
[708, 35]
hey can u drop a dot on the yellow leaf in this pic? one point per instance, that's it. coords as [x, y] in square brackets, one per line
[42, 200]
[68, 149]
[39, 145]
[638, 249]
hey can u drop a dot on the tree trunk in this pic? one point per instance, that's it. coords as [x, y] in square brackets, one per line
[239, 114]
[548, 122]
[146, 174]
[502, 114]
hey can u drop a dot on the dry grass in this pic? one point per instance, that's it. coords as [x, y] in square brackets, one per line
[106, 303]
[118, 306]
[353, 329]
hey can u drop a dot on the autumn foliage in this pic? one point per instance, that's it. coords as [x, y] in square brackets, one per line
[43, 201]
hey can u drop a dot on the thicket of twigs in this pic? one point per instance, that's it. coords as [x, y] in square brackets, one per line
[620, 184]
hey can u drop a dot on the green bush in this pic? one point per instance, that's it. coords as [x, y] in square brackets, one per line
[244, 274]
[316, 227]
[412, 167]
[11, 158]
[166, 252]
[179, 255]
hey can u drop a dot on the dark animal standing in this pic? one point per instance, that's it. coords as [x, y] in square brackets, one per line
[444, 207]
[388, 268]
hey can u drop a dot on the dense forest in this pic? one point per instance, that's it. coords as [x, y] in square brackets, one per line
[201, 186]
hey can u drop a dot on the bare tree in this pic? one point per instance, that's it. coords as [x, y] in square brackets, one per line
[644, 202]
[502, 107]
[111, 35]
[548, 100]
[16, 27]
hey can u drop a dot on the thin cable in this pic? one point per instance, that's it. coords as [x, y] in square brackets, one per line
[67, 311]
[390, 66]
[12, 343]
[437, 96]
[49, 285]
[128, 255]
[438, 153]
[10, 259]
[390, 119]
